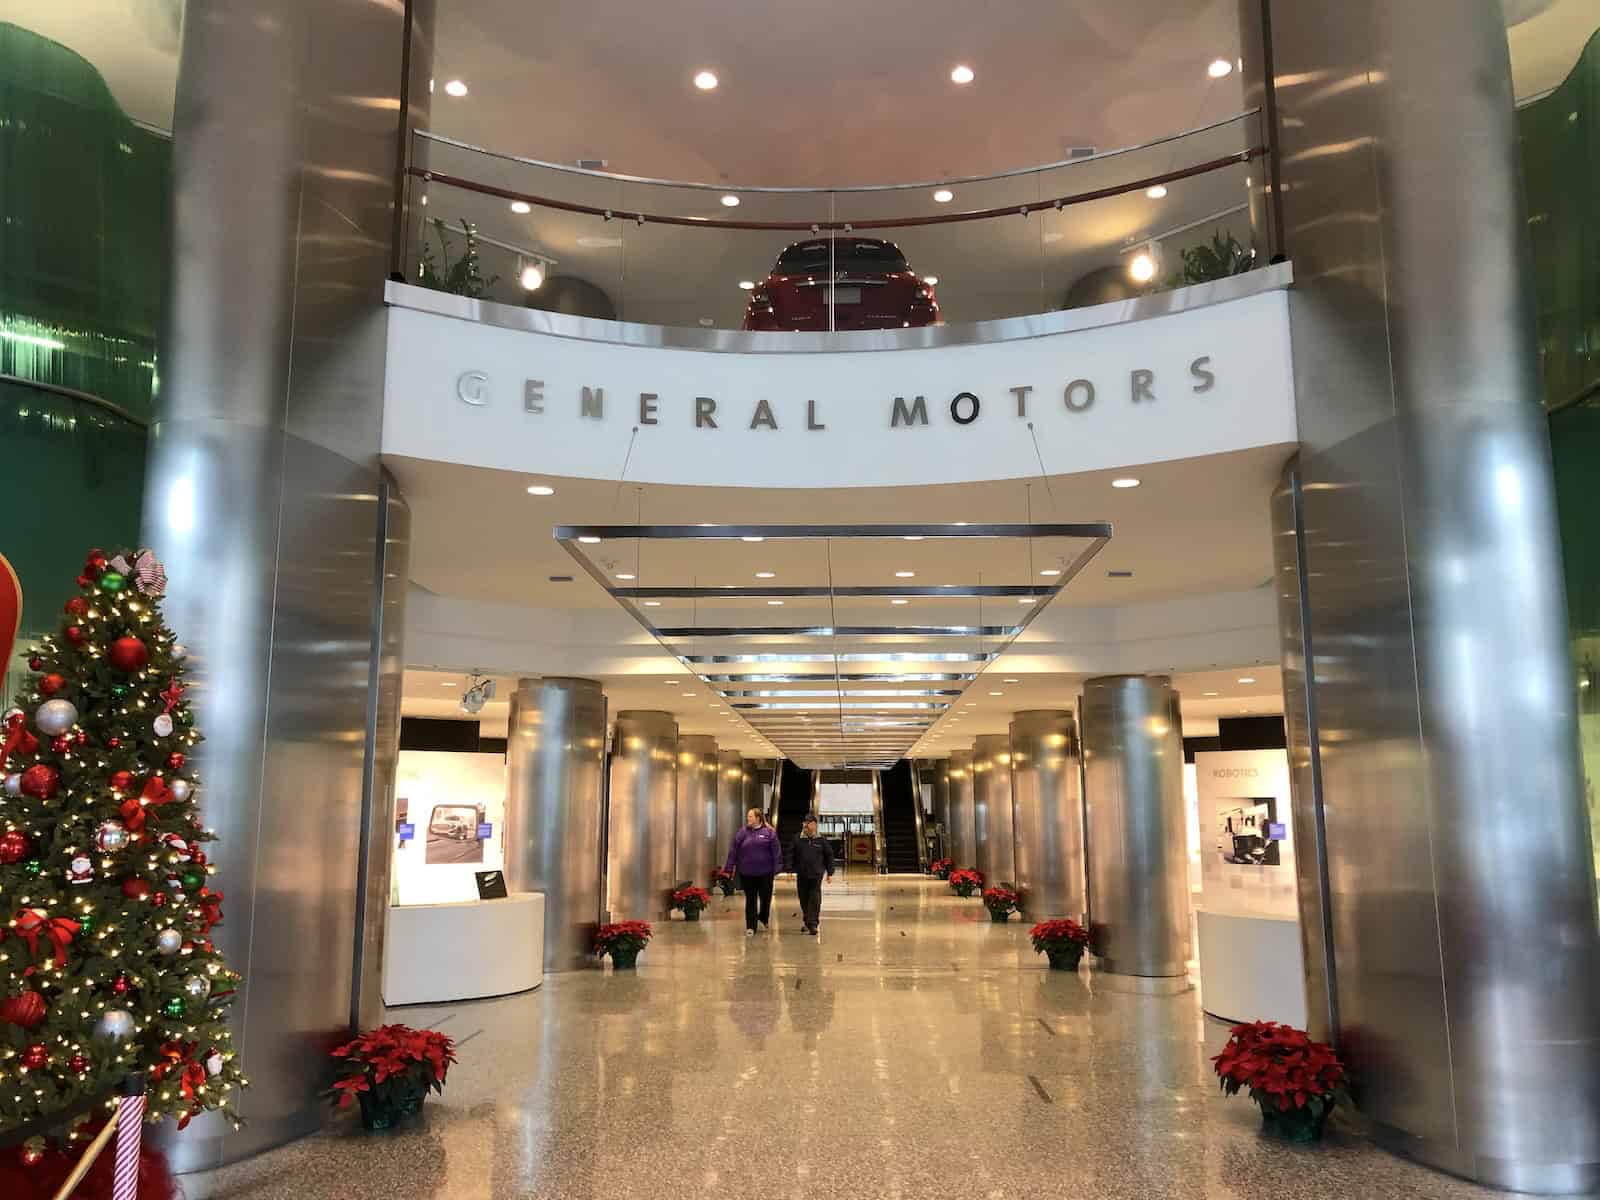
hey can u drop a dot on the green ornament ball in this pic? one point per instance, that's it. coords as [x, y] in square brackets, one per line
[33, 867]
[193, 879]
[175, 1007]
[111, 582]
[86, 923]
[185, 718]
[119, 690]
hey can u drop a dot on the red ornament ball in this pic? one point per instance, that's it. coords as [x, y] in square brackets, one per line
[74, 634]
[129, 654]
[14, 846]
[120, 985]
[135, 888]
[159, 899]
[61, 743]
[32, 1153]
[24, 1011]
[78, 1063]
[122, 781]
[51, 684]
[40, 781]
[77, 606]
[36, 1057]
[36, 663]
[175, 761]
[113, 743]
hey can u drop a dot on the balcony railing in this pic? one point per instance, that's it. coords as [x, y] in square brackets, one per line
[659, 252]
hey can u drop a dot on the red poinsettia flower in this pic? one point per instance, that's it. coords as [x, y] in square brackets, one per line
[1281, 1066]
[392, 1056]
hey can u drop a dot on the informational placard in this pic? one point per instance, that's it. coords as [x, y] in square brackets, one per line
[449, 824]
[1246, 845]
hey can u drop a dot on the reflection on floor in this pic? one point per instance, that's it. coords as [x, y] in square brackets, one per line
[914, 1050]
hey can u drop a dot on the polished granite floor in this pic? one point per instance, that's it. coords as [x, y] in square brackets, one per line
[914, 1050]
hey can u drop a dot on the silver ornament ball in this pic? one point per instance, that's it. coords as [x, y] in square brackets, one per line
[112, 836]
[114, 1025]
[14, 784]
[181, 790]
[55, 717]
[169, 942]
[179, 651]
[196, 987]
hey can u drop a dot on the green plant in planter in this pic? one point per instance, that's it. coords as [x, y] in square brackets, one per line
[1001, 901]
[461, 276]
[622, 941]
[1062, 942]
[964, 881]
[1294, 1080]
[1221, 257]
[390, 1071]
[691, 901]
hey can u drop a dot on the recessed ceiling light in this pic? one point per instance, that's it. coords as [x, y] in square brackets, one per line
[1247, 679]
[688, 695]
[1156, 193]
[1025, 599]
[752, 539]
[913, 537]
[1213, 693]
[997, 693]
[1142, 268]
[905, 574]
[626, 575]
[531, 277]
[931, 280]
[706, 81]
[899, 602]
[1009, 681]
[1220, 68]
[521, 207]
[943, 196]
[1050, 572]
[652, 604]
[1125, 483]
[590, 541]
[455, 88]
[961, 73]
[730, 201]
[775, 603]
[766, 574]
[448, 683]
[539, 489]
[747, 285]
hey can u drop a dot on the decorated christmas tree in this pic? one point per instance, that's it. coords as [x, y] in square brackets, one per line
[106, 963]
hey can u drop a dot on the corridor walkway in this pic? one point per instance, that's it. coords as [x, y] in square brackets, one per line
[914, 1050]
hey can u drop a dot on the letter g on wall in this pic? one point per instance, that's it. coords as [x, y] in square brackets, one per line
[472, 387]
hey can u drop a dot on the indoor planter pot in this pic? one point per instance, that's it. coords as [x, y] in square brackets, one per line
[999, 916]
[1065, 959]
[623, 959]
[691, 914]
[1293, 1124]
[385, 1112]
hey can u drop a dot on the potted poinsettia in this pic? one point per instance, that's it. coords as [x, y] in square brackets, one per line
[1001, 901]
[1295, 1080]
[623, 941]
[390, 1071]
[942, 867]
[964, 881]
[723, 880]
[1062, 942]
[690, 900]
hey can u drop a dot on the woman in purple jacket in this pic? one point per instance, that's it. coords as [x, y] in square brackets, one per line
[757, 856]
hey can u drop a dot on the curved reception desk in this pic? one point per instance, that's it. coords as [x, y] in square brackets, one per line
[439, 953]
[1251, 967]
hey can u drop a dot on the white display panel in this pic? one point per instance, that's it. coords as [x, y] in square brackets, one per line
[1246, 832]
[443, 801]
[844, 798]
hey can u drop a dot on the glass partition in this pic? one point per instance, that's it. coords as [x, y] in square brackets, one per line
[1100, 228]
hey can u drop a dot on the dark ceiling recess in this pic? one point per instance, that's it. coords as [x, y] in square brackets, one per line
[448, 734]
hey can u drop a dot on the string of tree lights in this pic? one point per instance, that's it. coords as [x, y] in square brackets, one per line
[106, 962]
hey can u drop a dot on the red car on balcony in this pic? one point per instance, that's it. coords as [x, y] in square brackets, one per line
[866, 280]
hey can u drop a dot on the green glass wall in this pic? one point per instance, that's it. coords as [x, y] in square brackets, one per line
[84, 240]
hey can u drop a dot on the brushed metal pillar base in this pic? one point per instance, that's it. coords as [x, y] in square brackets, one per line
[1110, 979]
[1543, 1179]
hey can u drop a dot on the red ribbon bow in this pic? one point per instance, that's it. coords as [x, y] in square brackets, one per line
[210, 906]
[172, 1053]
[172, 695]
[132, 814]
[18, 739]
[194, 1080]
[155, 791]
[30, 925]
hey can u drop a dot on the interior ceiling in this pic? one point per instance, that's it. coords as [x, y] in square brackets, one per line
[478, 535]
[565, 80]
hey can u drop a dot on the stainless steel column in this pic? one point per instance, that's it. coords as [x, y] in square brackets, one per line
[880, 849]
[1435, 608]
[1137, 858]
[1049, 814]
[555, 758]
[920, 814]
[641, 841]
[730, 801]
[991, 808]
[963, 835]
[697, 808]
[941, 803]
[263, 499]
[758, 771]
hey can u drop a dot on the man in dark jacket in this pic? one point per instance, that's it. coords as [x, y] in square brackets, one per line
[811, 858]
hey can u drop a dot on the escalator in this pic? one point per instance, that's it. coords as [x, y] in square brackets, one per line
[796, 795]
[900, 798]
